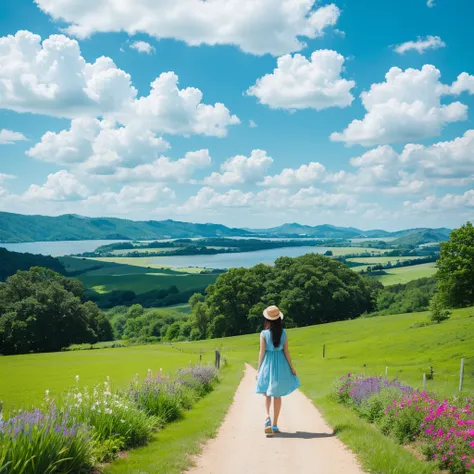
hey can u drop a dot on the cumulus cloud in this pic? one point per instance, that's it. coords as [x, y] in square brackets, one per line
[299, 83]
[7, 137]
[430, 3]
[406, 107]
[305, 175]
[52, 78]
[241, 169]
[255, 26]
[164, 169]
[142, 47]
[99, 146]
[60, 186]
[464, 83]
[449, 202]
[252, 124]
[420, 45]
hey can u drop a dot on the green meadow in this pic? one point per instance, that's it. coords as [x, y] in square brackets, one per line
[364, 345]
[406, 274]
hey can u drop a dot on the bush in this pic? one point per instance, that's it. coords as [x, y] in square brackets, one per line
[48, 442]
[116, 421]
[438, 313]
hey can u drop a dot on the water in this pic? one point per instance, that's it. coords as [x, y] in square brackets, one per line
[60, 248]
[232, 260]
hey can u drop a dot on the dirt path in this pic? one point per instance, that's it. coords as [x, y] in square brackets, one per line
[306, 444]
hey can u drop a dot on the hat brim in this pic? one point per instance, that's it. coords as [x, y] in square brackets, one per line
[272, 318]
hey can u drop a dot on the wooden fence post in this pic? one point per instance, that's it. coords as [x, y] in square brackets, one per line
[424, 381]
[386, 372]
[200, 358]
[324, 351]
[218, 360]
[461, 375]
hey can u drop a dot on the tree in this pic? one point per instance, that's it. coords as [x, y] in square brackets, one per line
[456, 268]
[438, 312]
[42, 311]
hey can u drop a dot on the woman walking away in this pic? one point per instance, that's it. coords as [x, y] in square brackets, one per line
[276, 376]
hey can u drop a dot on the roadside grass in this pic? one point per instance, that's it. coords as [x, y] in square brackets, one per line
[365, 345]
[405, 274]
[170, 450]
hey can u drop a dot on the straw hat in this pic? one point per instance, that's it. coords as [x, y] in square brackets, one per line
[272, 313]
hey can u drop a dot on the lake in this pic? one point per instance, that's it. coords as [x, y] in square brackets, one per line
[232, 260]
[60, 248]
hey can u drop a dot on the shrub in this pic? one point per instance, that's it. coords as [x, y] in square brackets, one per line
[117, 422]
[48, 442]
[438, 313]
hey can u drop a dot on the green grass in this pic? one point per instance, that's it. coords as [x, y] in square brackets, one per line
[365, 345]
[169, 451]
[340, 251]
[143, 282]
[406, 274]
[144, 262]
[382, 260]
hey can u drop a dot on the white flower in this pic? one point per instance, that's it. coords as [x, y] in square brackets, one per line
[108, 411]
[77, 378]
[122, 421]
[47, 393]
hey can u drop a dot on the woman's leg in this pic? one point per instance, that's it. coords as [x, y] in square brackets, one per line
[268, 402]
[276, 410]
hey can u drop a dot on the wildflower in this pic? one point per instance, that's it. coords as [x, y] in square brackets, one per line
[77, 378]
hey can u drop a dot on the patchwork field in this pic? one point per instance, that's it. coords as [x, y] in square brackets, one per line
[406, 274]
[105, 275]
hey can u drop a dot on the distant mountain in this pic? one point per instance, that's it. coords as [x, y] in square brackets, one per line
[23, 228]
[14, 261]
[420, 237]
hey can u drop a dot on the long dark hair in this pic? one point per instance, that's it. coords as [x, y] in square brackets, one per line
[276, 330]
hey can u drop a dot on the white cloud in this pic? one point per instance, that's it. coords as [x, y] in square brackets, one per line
[168, 109]
[450, 162]
[143, 47]
[305, 175]
[430, 3]
[406, 107]
[60, 186]
[53, 78]
[99, 146]
[449, 202]
[252, 124]
[241, 169]
[420, 45]
[164, 169]
[464, 83]
[207, 198]
[4, 176]
[255, 26]
[299, 83]
[7, 137]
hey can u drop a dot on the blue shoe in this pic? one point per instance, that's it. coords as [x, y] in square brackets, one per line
[275, 429]
[268, 427]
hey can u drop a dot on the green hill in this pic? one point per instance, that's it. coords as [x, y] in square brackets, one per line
[23, 228]
[11, 262]
[420, 237]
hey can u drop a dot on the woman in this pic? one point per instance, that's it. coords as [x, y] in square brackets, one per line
[276, 376]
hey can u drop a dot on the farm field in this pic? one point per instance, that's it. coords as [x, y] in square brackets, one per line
[382, 260]
[406, 274]
[105, 275]
[340, 251]
[143, 262]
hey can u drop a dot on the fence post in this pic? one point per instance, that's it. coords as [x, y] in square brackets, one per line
[424, 381]
[200, 358]
[461, 375]
[218, 359]
[386, 372]
[324, 351]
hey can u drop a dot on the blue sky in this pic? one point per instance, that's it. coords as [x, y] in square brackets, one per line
[263, 111]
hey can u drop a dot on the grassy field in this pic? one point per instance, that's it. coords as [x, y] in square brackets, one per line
[340, 251]
[406, 274]
[382, 260]
[105, 275]
[359, 346]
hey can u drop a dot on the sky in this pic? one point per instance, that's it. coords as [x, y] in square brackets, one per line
[248, 113]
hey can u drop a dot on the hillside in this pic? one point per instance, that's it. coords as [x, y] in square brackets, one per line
[11, 262]
[420, 237]
[23, 228]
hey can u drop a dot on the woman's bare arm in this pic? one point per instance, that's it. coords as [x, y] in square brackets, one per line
[263, 346]
[287, 355]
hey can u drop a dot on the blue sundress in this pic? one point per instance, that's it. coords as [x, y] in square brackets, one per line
[275, 378]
